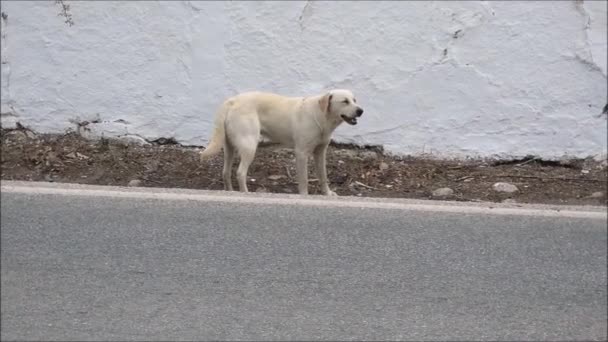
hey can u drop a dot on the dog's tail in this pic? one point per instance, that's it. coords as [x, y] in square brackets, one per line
[218, 137]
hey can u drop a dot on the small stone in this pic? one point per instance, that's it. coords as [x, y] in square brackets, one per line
[588, 164]
[275, 177]
[283, 151]
[340, 162]
[125, 140]
[134, 183]
[261, 190]
[369, 155]
[443, 192]
[288, 190]
[509, 201]
[51, 157]
[597, 194]
[30, 134]
[348, 154]
[567, 162]
[16, 135]
[505, 187]
[383, 166]
[81, 156]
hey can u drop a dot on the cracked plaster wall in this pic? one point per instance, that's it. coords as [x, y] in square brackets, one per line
[454, 79]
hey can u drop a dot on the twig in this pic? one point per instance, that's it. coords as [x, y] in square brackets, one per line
[288, 173]
[526, 162]
[151, 180]
[309, 181]
[365, 185]
[555, 178]
[464, 178]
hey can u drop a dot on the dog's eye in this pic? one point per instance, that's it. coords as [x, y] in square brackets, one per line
[345, 101]
[354, 100]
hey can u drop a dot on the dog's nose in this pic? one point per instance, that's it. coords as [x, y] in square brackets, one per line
[359, 111]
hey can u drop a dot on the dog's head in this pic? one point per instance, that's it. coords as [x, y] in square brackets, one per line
[341, 103]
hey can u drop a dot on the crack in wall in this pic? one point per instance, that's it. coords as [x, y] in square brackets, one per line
[305, 14]
[192, 7]
[8, 110]
[3, 25]
[9, 114]
[588, 60]
[604, 113]
[65, 12]
[590, 63]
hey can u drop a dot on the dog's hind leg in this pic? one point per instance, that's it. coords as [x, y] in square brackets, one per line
[228, 161]
[247, 153]
[320, 153]
[302, 171]
[245, 136]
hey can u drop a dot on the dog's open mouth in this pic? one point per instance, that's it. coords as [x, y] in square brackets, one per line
[350, 121]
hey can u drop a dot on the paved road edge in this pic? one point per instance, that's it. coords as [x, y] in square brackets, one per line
[71, 189]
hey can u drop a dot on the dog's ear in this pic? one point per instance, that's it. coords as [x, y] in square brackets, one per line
[325, 102]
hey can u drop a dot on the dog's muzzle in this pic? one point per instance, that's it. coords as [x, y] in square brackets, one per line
[349, 120]
[352, 120]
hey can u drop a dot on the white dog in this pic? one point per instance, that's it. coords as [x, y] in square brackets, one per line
[302, 123]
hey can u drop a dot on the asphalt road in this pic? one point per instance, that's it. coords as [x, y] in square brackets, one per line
[81, 266]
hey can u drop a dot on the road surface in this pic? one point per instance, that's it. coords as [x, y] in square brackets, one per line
[104, 263]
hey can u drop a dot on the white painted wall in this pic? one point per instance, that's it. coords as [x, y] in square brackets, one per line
[517, 78]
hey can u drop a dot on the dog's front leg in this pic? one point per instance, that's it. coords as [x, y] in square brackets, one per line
[320, 154]
[302, 172]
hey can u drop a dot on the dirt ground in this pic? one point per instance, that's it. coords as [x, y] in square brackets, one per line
[352, 171]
